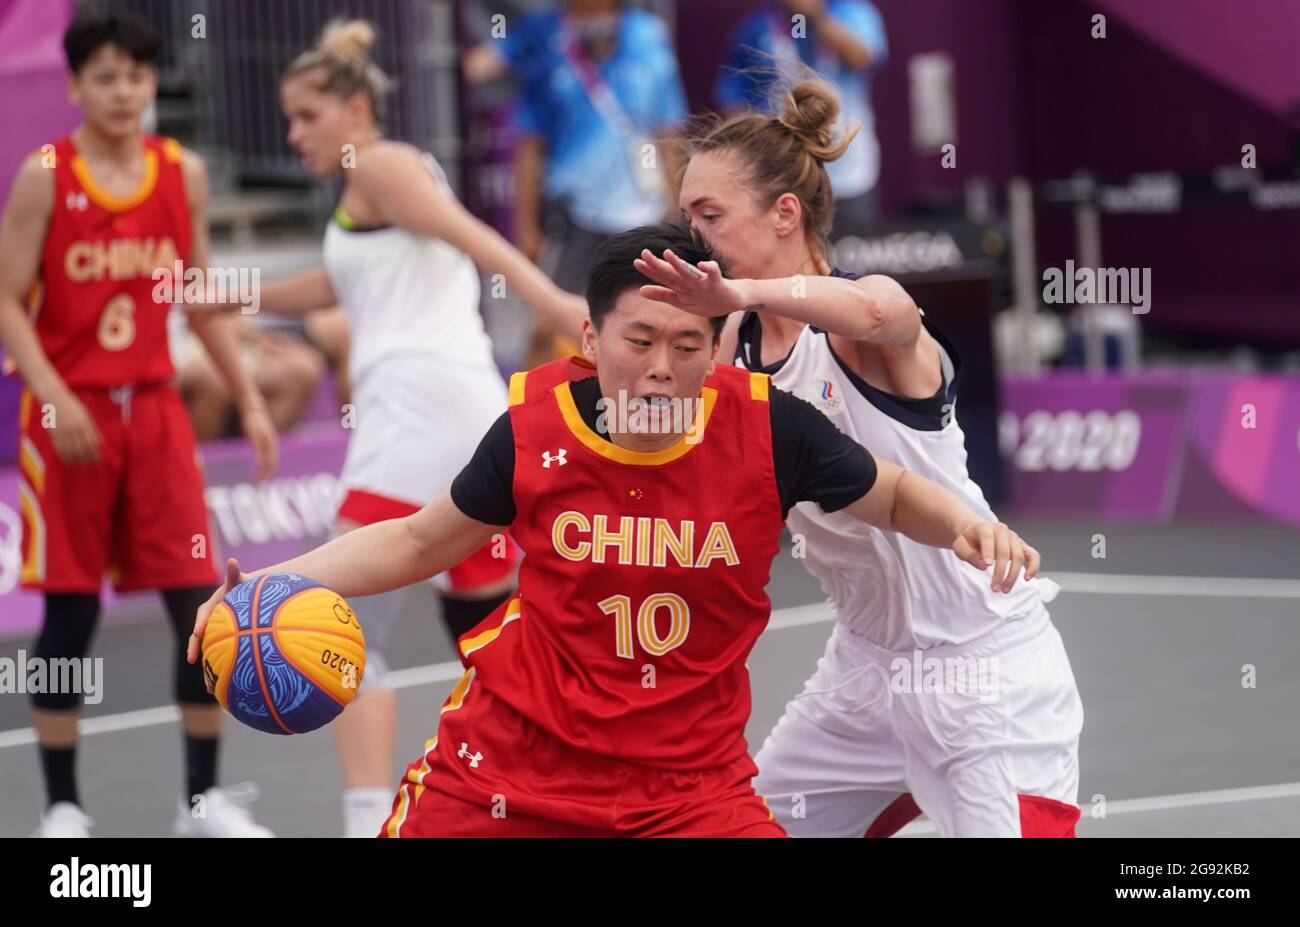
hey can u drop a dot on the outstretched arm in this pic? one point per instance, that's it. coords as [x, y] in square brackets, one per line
[816, 462]
[874, 308]
[406, 194]
[929, 514]
[842, 41]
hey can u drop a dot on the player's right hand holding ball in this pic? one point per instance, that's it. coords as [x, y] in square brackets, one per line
[234, 576]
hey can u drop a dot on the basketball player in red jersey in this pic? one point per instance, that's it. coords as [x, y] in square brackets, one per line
[110, 482]
[609, 697]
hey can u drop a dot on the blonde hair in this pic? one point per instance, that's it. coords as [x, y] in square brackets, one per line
[787, 153]
[343, 53]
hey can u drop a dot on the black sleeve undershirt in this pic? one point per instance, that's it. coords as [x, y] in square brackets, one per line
[814, 461]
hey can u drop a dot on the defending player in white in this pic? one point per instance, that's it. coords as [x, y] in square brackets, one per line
[936, 692]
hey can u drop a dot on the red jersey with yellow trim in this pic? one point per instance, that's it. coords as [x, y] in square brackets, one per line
[97, 319]
[642, 588]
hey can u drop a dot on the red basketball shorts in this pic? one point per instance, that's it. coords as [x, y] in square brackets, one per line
[490, 772]
[137, 514]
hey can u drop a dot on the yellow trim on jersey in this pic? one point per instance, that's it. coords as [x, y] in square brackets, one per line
[572, 418]
[566, 347]
[759, 383]
[457, 697]
[118, 203]
[33, 568]
[478, 641]
[517, 387]
[398, 818]
[31, 465]
[25, 409]
[172, 150]
[405, 801]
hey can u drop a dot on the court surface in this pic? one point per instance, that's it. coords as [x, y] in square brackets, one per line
[1158, 634]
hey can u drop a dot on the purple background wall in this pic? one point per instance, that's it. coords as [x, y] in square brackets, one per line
[1140, 100]
[1176, 85]
[32, 83]
[1249, 44]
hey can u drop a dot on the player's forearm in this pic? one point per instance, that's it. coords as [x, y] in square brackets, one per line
[928, 513]
[298, 295]
[370, 560]
[561, 311]
[875, 309]
[292, 297]
[391, 554]
[842, 43]
[22, 344]
[528, 183]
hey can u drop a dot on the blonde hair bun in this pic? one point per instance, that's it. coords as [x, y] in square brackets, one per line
[342, 57]
[786, 153]
[349, 40]
[810, 111]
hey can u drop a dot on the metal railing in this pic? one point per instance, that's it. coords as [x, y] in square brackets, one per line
[230, 64]
[1088, 199]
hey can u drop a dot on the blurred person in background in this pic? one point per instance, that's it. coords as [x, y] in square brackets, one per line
[287, 360]
[111, 485]
[843, 43]
[600, 97]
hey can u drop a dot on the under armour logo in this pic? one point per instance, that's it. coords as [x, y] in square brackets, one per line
[77, 201]
[464, 753]
[557, 457]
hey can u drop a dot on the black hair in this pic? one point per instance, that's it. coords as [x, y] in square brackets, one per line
[134, 34]
[612, 272]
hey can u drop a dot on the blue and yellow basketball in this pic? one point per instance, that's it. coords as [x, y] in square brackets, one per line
[283, 654]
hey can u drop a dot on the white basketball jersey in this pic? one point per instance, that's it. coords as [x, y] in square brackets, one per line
[406, 294]
[884, 587]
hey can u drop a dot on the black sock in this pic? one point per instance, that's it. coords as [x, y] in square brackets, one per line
[462, 614]
[200, 764]
[59, 766]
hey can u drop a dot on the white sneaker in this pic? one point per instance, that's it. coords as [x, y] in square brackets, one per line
[64, 819]
[224, 812]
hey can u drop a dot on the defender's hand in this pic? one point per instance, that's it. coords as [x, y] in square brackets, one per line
[985, 543]
[699, 289]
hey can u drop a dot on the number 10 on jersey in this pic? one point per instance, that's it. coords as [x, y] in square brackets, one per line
[647, 632]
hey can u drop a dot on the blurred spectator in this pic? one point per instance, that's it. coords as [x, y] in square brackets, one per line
[287, 362]
[599, 96]
[843, 41]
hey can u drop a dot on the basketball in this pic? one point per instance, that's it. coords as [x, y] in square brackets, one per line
[283, 654]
